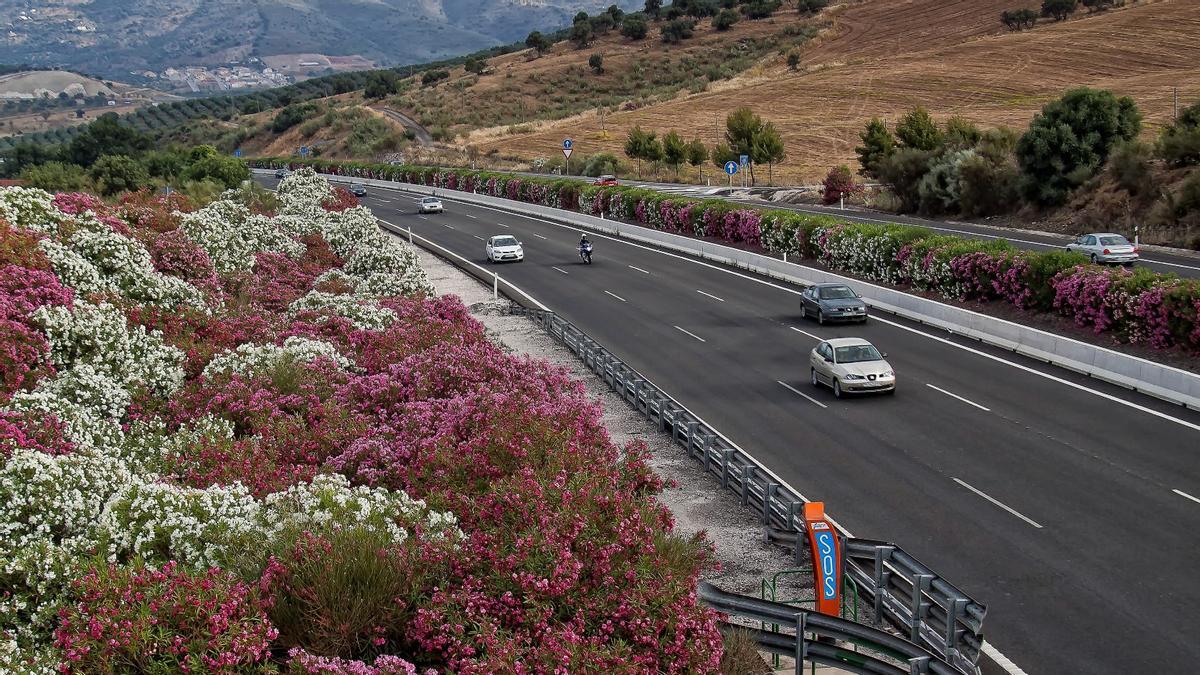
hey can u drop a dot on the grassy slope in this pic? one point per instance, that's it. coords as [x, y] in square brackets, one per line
[883, 57]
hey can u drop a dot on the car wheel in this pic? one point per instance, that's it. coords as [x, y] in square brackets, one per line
[1095, 260]
[837, 388]
[813, 376]
[821, 317]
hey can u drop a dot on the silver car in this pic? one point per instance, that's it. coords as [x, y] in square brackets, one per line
[1105, 247]
[851, 365]
[833, 302]
[429, 205]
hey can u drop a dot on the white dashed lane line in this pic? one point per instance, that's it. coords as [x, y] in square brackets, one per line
[710, 295]
[559, 269]
[638, 269]
[953, 395]
[815, 337]
[999, 503]
[623, 300]
[691, 334]
[800, 393]
[1185, 495]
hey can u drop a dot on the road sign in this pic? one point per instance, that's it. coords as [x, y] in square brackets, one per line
[304, 151]
[731, 167]
[237, 153]
[744, 160]
[568, 144]
[567, 153]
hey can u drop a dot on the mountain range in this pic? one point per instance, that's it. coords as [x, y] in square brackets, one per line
[115, 37]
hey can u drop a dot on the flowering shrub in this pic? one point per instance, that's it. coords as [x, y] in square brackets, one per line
[244, 435]
[163, 620]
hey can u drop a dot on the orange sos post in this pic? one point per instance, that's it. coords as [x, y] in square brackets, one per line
[826, 551]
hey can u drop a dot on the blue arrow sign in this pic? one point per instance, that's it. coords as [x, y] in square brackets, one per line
[731, 167]
[744, 160]
[568, 144]
[237, 153]
[303, 150]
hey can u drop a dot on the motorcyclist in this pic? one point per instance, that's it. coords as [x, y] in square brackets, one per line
[583, 241]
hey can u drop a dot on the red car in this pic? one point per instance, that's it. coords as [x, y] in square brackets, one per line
[606, 181]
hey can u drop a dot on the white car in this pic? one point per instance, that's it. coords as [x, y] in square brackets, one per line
[429, 205]
[504, 247]
[851, 365]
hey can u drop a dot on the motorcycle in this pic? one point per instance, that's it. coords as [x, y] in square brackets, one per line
[585, 253]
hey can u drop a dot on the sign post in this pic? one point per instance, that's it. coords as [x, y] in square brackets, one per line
[744, 160]
[731, 168]
[826, 550]
[568, 148]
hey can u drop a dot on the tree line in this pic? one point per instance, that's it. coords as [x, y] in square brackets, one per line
[746, 134]
[1058, 10]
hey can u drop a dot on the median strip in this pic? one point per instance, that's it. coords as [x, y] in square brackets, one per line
[999, 503]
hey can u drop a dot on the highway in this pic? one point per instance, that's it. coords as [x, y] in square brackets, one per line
[1070, 507]
[1164, 261]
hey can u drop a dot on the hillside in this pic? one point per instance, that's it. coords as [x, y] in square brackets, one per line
[115, 38]
[34, 84]
[882, 57]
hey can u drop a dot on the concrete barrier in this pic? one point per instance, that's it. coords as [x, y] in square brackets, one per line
[1142, 375]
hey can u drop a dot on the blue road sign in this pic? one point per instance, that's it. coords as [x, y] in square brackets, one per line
[237, 153]
[303, 150]
[744, 160]
[568, 144]
[731, 167]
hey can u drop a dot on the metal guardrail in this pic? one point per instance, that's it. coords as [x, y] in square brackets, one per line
[819, 638]
[910, 597]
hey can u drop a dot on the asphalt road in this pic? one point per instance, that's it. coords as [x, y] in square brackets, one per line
[1070, 507]
[1183, 265]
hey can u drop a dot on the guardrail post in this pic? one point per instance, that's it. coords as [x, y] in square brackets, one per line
[495, 286]
[691, 435]
[768, 495]
[918, 665]
[881, 579]
[921, 583]
[958, 607]
[747, 478]
[410, 234]
[725, 457]
[801, 643]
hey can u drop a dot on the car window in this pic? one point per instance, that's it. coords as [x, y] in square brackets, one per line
[836, 293]
[1091, 241]
[824, 351]
[1117, 240]
[857, 354]
[504, 241]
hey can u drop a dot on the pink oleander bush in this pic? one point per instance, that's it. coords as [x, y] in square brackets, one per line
[168, 619]
[39, 432]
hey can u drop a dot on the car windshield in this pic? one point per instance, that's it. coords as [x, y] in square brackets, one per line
[1116, 240]
[837, 293]
[504, 241]
[429, 200]
[857, 354]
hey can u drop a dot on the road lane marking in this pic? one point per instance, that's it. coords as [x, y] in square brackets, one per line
[624, 300]
[953, 395]
[711, 296]
[471, 216]
[477, 237]
[800, 393]
[690, 333]
[560, 270]
[803, 332]
[999, 503]
[1001, 660]
[638, 269]
[1185, 495]
[1048, 376]
[446, 226]
[537, 235]
[423, 217]
[502, 225]
[398, 232]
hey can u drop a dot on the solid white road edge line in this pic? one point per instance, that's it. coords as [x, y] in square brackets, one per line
[800, 393]
[710, 295]
[997, 502]
[477, 266]
[815, 337]
[953, 395]
[616, 296]
[1001, 660]
[1185, 495]
[691, 334]
[638, 269]
[560, 270]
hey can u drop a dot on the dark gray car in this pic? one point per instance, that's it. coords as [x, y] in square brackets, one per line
[833, 302]
[358, 190]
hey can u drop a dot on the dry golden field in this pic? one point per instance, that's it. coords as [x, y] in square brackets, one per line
[882, 57]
